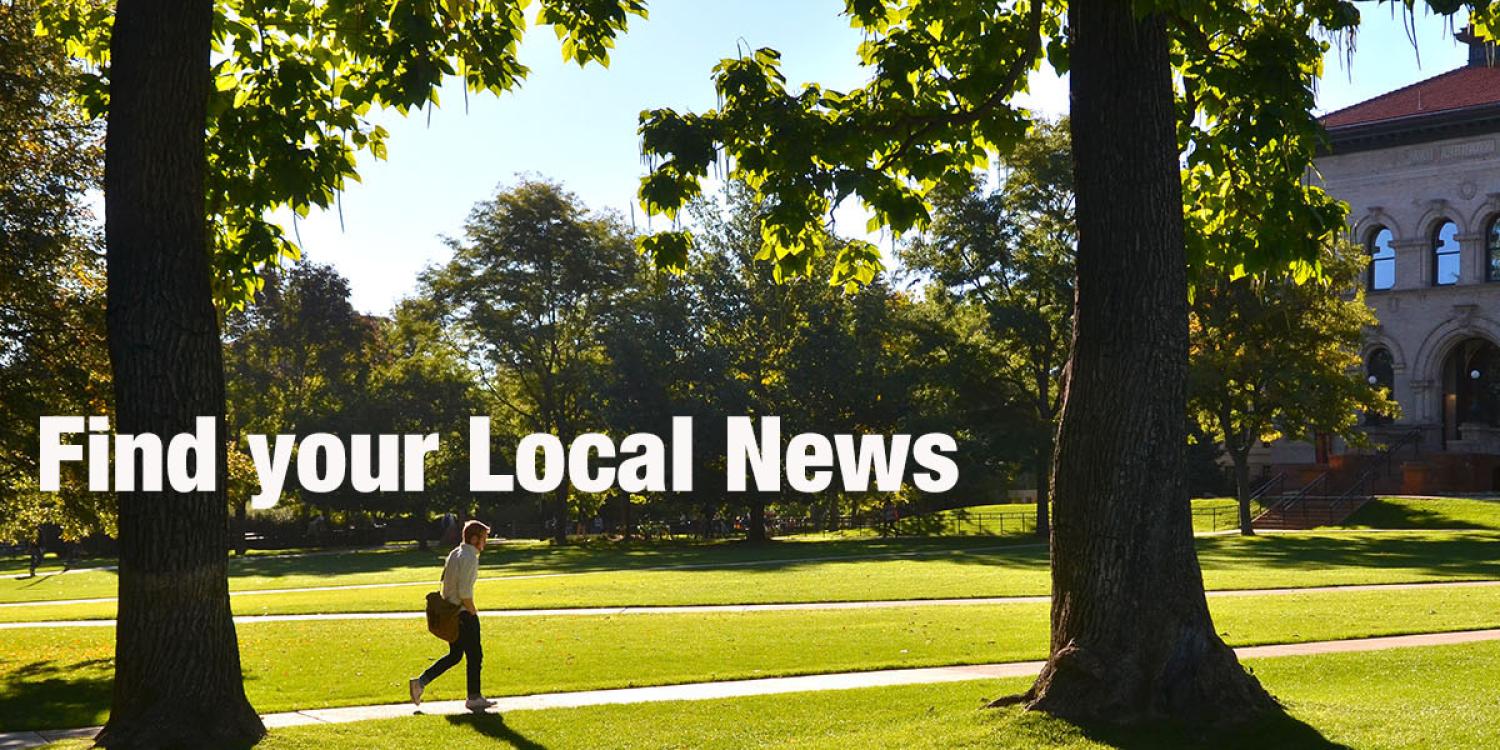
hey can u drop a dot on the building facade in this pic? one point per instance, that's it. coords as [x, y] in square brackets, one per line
[1420, 170]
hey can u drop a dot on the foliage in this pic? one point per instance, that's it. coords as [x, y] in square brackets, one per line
[301, 359]
[51, 279]
[295, 84]
[941, 102]
[523, 299]
[1006, 255]
[1271, 358]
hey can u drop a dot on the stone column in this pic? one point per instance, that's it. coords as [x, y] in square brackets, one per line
[1470, 258]
[1413, 262]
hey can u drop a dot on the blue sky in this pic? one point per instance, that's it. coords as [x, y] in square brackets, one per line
[577, 126]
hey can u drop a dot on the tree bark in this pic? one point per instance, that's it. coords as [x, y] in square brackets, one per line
[1132, 640]
[1240, 455]
[756, 532]
[240, 522]
[1043, 470]
[177, 668]
[560, 513]
[1043, 464]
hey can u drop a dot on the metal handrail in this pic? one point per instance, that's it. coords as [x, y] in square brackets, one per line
[1411, 437]
[1285, 503]
[1264, 488]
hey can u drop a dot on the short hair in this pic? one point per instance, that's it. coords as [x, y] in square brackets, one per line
[474, 528]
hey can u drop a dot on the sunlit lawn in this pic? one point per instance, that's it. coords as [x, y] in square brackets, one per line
[361, 567]
[1417, 698]
[894, 570]
[59, 677]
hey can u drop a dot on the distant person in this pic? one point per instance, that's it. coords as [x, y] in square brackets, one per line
[34, 552]
[460, 571]
[451, 528]
[317, 530]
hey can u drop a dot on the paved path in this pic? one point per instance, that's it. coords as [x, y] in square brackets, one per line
[776, 607]
[768, 686]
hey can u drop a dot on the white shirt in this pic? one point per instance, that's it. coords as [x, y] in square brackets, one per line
[460, 571]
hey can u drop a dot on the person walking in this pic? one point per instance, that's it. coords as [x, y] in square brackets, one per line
[460, 570]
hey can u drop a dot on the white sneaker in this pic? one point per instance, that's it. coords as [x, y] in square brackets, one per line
[478, 704]
[414, 686]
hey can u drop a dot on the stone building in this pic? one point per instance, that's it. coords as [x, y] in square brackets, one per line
[1420, 170]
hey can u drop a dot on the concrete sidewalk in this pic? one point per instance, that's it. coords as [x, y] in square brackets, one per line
[768, 686]
[780, 607]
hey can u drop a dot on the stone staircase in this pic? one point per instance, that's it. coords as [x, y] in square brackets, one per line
[1310, 512]
[1332, 496]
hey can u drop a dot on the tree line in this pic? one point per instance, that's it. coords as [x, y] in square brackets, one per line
[547, 318]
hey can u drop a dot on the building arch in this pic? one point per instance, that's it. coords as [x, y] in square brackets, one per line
[1428, 224]
[1374, 340]
[1487, 222]
[1360, 233]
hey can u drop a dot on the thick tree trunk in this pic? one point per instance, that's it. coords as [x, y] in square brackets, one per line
[177, 666]
[1132, 640]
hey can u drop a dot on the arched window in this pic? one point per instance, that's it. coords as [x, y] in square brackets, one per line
[1380, 372]
[1382, 274]
[1492, 251]
[1445, 254]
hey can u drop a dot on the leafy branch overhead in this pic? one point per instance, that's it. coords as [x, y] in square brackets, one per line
[941, 101]
[296, 83]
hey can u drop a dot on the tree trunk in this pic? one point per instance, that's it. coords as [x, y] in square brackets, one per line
[177, 667]
[240, 522]
[560, 512]
[1044, 487]
[1240, 455]
[1043, 458]
[757, 530]
[1132, 641]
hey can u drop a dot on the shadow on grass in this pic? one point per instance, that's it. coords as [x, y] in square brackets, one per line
[1463, 554]
[1381, 514]
[1283, 732]
[1468, 555]
[494, 727]
[49, 695]
[1280, 731]
[505, 560]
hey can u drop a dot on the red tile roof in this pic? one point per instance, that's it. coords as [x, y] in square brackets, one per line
[1468, 86]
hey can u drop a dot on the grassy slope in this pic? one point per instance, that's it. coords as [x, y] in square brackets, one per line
[1440, 697]
[1228, 562]
[60, 677]
[1428, 513]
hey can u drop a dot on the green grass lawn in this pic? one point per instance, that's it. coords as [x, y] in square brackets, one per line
[1428, 513]
[1209, 514]
[1416, 698]
[60, 677]
[1018, 520]
[792, 572]
[508, 559]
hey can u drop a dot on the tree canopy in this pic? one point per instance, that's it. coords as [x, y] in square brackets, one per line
[940, 103]
[295, 84]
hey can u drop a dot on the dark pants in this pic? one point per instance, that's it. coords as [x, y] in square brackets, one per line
[466, 647]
